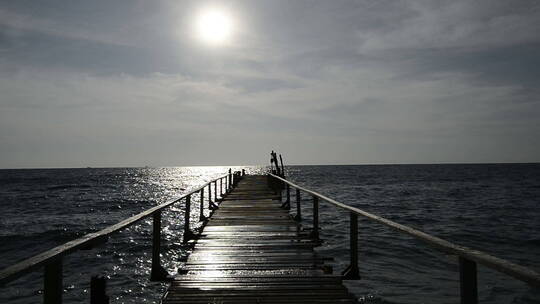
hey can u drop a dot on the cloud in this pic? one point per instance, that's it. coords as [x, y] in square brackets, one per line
[339, 81]
[458, 24]
[18, 24]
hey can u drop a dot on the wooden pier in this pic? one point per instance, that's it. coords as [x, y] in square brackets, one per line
[252, 251]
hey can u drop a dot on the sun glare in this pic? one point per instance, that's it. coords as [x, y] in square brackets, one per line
[214, 26]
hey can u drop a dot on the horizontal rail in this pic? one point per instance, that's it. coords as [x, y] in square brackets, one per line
[517, 271]
[17, 270]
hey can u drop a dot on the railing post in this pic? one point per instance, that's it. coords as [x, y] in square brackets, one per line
[158, 273]
[298, 216]
[230, 180]
[53, 285]
[187, 232]
[288, 201]
[215, 191]
[98, 290]
[210, 193]
[315, 232]
[201, 208]
[352, 272]
[211, 204]
[468, 283]
[221, 186]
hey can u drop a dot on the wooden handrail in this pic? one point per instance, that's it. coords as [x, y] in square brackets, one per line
[91, 239]
[514, 270]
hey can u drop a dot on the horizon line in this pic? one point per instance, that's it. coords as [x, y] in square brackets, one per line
[364, 164]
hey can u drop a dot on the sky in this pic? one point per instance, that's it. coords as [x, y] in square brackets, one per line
[129, 83]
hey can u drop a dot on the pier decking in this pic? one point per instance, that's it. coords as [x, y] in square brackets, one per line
[252, 251]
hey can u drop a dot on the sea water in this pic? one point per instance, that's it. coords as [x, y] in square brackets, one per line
[491, 207]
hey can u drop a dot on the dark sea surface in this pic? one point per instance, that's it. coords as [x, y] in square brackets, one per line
[494, 208]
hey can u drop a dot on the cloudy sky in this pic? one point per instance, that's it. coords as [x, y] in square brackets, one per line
[129, 83]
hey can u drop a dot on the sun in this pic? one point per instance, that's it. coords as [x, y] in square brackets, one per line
[214, 26]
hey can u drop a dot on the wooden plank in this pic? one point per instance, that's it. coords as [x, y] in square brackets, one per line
[251, 251]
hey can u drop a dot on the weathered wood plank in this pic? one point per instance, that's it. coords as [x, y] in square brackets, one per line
[251, 251]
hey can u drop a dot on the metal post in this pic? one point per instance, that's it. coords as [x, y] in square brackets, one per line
[211, 205]
[282, 168]
[221, 187]
[315, 232]
[288, 197]
[53, 286]
[157, 273]
[215, 191]
[201, 208]
[352, 272]
[229, 188]
[287, 203]
[298, 216]
[98, 290]
[468, 283]
[187, 231]
[210, 193]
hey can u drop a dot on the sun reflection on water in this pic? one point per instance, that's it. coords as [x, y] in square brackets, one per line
[79, 201]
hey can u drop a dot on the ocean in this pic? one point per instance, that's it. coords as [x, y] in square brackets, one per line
[491, 207]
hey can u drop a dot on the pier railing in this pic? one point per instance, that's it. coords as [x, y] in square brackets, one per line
[51, 260]
[468, 258]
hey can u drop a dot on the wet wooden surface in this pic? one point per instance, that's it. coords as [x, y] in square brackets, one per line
[251, 251]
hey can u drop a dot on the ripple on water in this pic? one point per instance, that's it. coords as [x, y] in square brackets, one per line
[490, 207]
